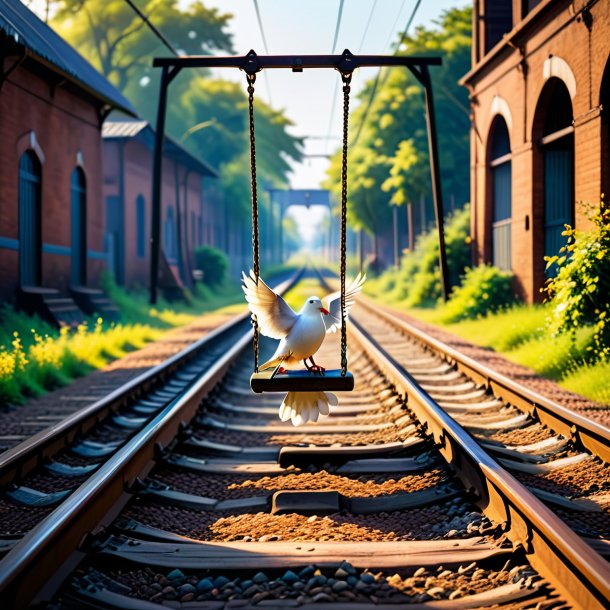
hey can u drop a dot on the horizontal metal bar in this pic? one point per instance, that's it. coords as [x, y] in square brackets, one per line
[254, 63]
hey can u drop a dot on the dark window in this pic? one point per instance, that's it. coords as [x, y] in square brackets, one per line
[30, 236]
[140, 226]
[78, 206]
[558, 168]
[170, 235]
[501, 177]
[193, 229]
[498, 21]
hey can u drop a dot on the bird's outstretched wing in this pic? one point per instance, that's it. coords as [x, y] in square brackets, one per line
[333, 320]
[274, 316]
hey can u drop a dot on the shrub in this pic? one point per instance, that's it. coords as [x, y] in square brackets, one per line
[484, 289]
[579, 295]
[418, 282]
[213, 263]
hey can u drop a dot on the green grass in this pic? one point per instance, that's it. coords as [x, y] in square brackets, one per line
[35, 357]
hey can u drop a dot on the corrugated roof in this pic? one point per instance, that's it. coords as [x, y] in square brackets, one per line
[123, 130]
[43, 44]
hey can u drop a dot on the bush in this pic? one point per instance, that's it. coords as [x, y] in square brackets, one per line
[418, 281]
[579, 295]
[213, 263]
[484, 289]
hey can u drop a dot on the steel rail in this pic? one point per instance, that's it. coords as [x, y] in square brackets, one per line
[25, 569]
[18, 461]
[591, 435]
[572, 567]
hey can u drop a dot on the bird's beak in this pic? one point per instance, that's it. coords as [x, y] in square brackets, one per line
[324, 311]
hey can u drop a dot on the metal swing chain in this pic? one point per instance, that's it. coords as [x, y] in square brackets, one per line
[346, 78]
[255, 238]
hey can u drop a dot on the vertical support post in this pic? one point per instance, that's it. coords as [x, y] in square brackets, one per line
[437, 194]
[155, 229]
[395, 222]
[410, 226]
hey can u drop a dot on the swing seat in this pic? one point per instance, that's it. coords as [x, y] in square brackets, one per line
[301, 381]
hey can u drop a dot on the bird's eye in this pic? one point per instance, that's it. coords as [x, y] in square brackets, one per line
[311, 301]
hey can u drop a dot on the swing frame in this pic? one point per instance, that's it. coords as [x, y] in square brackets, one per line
[251, 64]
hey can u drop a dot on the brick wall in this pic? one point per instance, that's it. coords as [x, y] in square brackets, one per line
[553, 42]
[66, 128]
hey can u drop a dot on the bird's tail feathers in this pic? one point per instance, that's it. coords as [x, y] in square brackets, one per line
[271, 364]
[301, 407]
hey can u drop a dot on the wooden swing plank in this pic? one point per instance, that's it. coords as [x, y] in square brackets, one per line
[301, 381]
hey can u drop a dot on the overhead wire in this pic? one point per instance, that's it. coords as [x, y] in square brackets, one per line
[338, 25]
[262, 31]
[378, 82]
[153, 28]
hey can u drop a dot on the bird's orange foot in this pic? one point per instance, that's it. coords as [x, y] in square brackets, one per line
[317, 369]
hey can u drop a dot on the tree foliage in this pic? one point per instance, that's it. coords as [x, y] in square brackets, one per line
[389, 158]
[208, 115]
[579, 294]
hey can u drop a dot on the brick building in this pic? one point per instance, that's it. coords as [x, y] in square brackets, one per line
[540, 102]
[52, 105]
[188, 216]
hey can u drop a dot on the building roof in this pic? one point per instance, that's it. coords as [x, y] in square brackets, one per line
[142, 132]
[44, 45]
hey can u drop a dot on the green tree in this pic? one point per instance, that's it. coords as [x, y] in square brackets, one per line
[390, 145]
[114, 38]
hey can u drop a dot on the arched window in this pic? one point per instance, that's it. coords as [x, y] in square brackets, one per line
[30, 233]
[78, 209]
[554, 117]
[170, 235]
[501, 193]
[140, 226]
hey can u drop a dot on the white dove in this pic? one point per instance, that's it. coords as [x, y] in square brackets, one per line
[301, 335]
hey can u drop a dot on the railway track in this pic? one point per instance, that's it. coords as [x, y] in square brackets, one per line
[401, 496]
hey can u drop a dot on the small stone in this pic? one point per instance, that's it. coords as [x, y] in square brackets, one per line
[221, 581]
[169, 592]
[322, 597]
[339, 586]
[251, 590]
[361, 586]
[348, 567]
[435, 592]
[260, 596]
[331, 581]
[290, 577]
[477, 574]
[259, 578]
[187, 597]
[419, 572]
[176, 575]
[463, 570]
[352, 580]
[245, 584]
[312, 518]
[368, 578]
[306, 572]
[186, 588]
[204, 585]
[444, 573]
[341, 574]
[316, 590]
[348, 594]
[455, 594]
